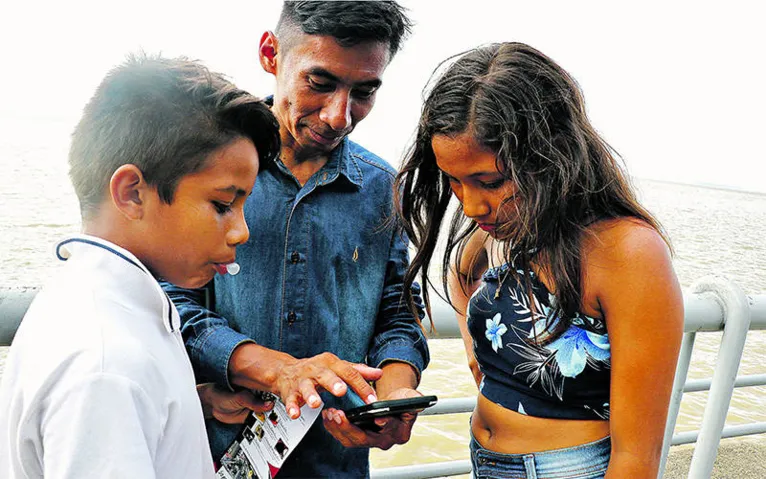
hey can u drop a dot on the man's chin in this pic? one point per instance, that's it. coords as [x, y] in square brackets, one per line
[322, 143]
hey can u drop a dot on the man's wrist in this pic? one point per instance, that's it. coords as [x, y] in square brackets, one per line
[255, 367]
[396, 375]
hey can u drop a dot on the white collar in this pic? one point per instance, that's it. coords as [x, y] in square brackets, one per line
[74, 244]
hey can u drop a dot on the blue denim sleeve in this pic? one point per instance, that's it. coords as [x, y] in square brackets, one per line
[398, 335]
[209, 339]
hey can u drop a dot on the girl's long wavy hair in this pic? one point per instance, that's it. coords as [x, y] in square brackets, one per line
[519, 104]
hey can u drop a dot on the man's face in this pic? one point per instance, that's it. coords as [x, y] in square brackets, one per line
[324, 89]
[187, 239]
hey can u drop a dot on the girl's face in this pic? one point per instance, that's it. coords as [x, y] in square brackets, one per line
[475, 180]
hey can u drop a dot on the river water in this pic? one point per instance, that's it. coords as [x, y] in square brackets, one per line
[713, 231]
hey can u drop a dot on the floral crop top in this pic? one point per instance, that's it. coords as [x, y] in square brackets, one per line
[567, 378]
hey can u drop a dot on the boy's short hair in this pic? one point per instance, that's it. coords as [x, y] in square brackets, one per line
[166, 116]
[349, 23]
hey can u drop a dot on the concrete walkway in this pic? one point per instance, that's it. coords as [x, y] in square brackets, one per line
[738, 458]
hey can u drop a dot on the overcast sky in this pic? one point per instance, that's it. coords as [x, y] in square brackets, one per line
[676, 87]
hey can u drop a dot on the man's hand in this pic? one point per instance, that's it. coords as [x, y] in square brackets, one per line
[229, 407]
[297, 381]
[394, 429]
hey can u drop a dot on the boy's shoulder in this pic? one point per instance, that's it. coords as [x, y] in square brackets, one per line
[77, 328]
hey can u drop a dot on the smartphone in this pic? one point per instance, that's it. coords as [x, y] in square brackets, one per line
[364, 416]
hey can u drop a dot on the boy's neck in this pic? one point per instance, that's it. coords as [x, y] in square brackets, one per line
[114, 231]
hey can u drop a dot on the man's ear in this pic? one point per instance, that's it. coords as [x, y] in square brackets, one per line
[267, 52]
[129, 191]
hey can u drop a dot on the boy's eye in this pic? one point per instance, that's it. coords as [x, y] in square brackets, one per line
[221, 208]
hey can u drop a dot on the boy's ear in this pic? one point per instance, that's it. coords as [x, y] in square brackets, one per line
[129, 191]
[267, 52]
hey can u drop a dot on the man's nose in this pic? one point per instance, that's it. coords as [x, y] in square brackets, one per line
[337, 113]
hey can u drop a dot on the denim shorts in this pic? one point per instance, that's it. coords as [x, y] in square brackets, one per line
[587, 461]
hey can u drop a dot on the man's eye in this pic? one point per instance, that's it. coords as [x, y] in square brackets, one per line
[221, 208]
[364, 93]
[319, 86]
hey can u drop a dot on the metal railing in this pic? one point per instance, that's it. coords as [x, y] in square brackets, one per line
[713, 304]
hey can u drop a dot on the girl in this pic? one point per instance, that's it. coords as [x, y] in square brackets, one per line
[576, 329]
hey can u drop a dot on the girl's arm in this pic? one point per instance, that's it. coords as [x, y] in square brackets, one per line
[629, 273]
[462, 284]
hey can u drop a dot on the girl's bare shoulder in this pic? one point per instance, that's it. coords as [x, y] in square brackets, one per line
[620, 240]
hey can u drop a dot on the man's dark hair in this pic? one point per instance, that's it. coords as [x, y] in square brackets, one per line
[349, 23]
[166, 116]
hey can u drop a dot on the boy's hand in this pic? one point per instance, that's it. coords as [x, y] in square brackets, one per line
[229, 407]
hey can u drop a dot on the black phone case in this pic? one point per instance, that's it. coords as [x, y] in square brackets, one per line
[364, 416]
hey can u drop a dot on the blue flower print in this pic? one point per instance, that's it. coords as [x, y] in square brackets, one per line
[573, 348]
[495, 332]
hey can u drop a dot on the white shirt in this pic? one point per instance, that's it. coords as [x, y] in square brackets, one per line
[97, 383]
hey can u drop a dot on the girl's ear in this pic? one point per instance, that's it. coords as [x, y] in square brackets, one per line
[267, 52]
[129, 191]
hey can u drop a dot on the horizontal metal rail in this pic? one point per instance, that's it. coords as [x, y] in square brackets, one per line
[701, 314]
[729, 431]
[696, 385]
[451, 406]
[423, 471]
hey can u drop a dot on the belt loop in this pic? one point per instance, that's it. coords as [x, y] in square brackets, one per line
[529, 466]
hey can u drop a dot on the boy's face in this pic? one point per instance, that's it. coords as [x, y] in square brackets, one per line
[205, 221]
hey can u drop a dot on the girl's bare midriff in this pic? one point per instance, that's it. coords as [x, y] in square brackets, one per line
[502, 430]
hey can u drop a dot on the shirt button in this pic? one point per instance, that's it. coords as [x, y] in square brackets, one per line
[295, 257]
[291, 317]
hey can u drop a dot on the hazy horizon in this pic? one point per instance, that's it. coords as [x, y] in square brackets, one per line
[675, 88]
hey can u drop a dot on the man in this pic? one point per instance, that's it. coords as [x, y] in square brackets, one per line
[321, 281]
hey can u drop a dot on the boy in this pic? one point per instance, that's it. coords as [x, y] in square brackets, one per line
[97, 382]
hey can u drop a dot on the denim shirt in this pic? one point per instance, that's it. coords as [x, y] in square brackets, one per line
[322, 271]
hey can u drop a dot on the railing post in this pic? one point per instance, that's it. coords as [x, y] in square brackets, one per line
[736, 312]
[14, 303]
[682, 370]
